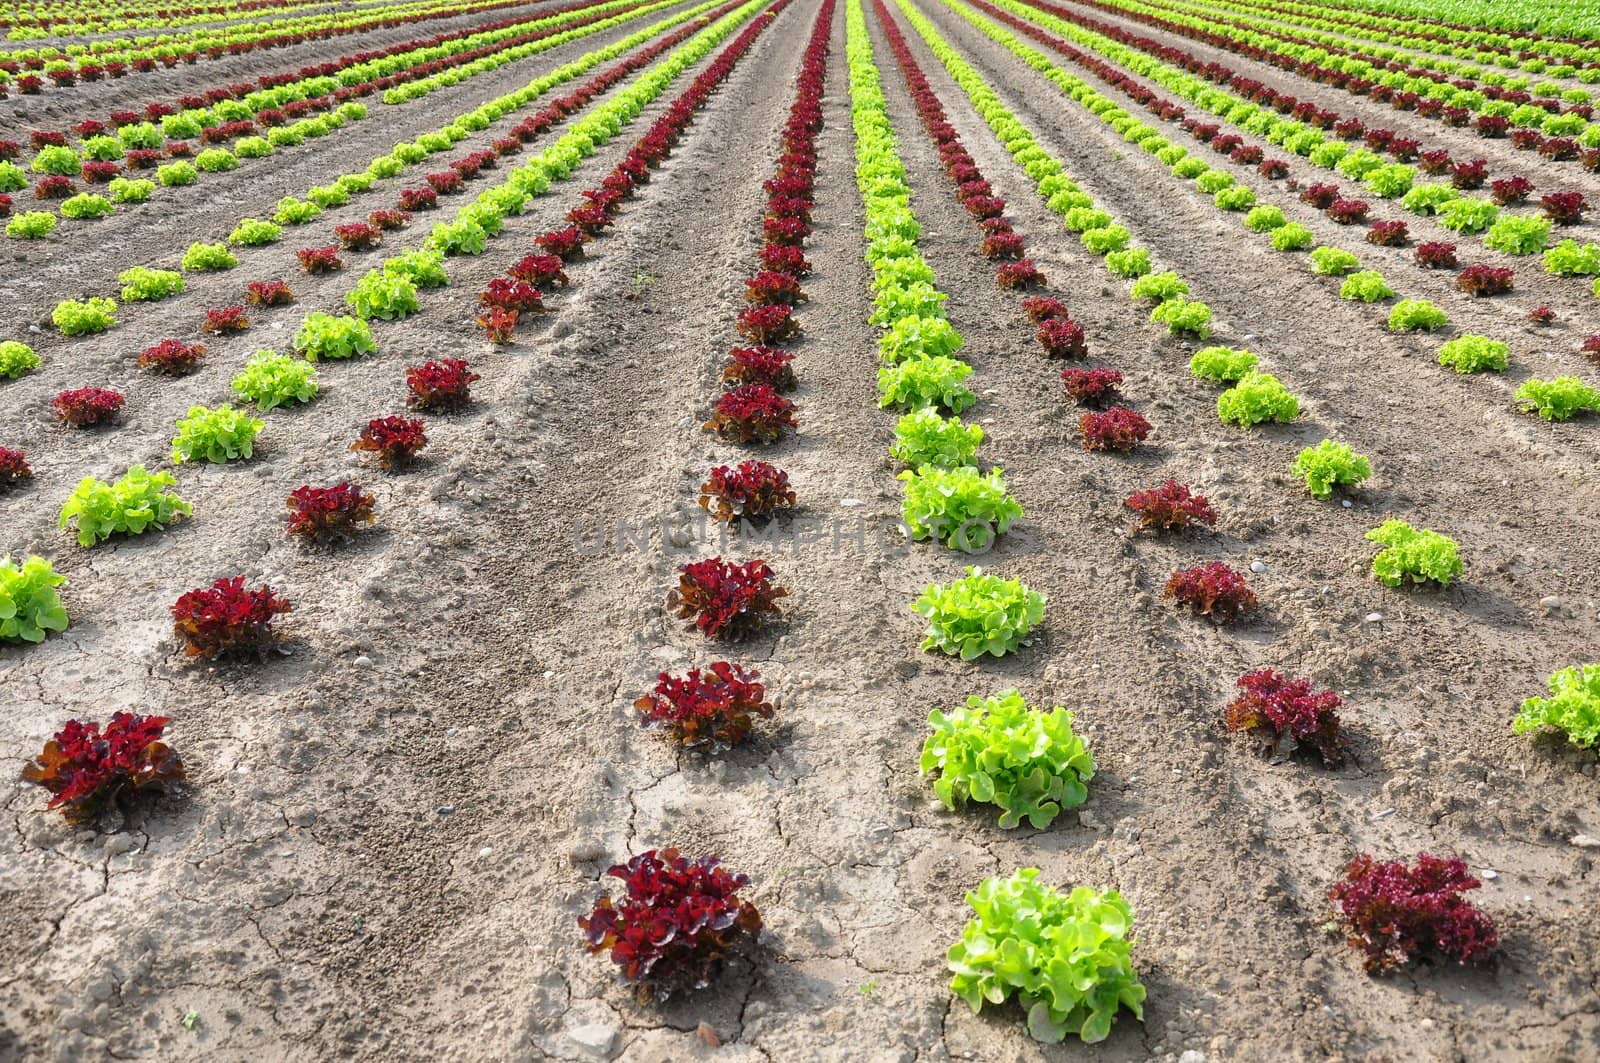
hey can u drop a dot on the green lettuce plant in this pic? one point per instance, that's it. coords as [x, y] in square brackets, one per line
[1067, 959]
[1416, 315]
[76, 318]
[1328, 465]
[208, 257]
[1367, 286]
[327, 196]
[1291, 237]
[1182, 316]
[58, 160]
[292, 211]
[978, 614]
[1474, 354]
[130, 189]
[216, 435]
[1573, 706]
[1265, 219]
[252, 232]
[1466, 215]
[1131, 263]
[1428, 199]
[1159, 287]
[1391, 181]
[17, 358]
[915, 336]
[216, 160]
[924, 438]
[141, 284]
[1560, 399]
[1235, 199]
[1104, 240]
[1213, 181]
[1001, 752]
[1257, 397]
[176, 175]
[385, 296]
[30, 606]
[86, 205]
[964, 508]
[935, 381]
[1224, 365]
[1333, 261]
[1518, 236]
[131, 505]
[1413, 555]
[270, 380]
[31, 225]
[323, 336]
[421, 267]
[1571, 259]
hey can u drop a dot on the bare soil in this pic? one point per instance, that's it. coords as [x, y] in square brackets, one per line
[390, 831]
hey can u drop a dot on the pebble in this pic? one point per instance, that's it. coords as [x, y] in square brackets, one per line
[363, 661]
[1346, 503]
[486, 851]
[851, 503]
[1258, 566]
[1193, 1055]
[446, 810]
[1586, 841]
[1374, 618]
[1552, 604]
[1490, 874]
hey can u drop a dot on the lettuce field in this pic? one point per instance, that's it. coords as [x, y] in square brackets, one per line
[800, 529]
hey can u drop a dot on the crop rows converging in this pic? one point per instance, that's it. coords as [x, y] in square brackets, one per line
[1420, 177]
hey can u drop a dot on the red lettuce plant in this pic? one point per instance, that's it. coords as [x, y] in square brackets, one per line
[1001, 245]
[1278, 711]
[223, 320]
[1469, 175]
[99, 173]
[444, 183]
[1091, 387]
[87, 769]
[1591, 348]
[1213, 589]
[54, 187]
[1062, 337]
[1019, 275]
[541, 271]
[445, 385]
[1273, 169]
[1559, 149]
[591, 220]
[358, 236]
[752, 413]
[1043, 308]
[725, 599]
[395, 440]
[752, 489]
[388, 219]
[13, 467]
[1172, 506]
[1389, 234]
[5, 205]
[512, 295]
[1118, 428]
[1527, 140]
[678, 922]
[1542, 315]
[710, 708]
[1248, 154]
[1405, 149]
[760, 365]
[1563, 208]
[786, 232]
[767, 324]
[47, 138]
[1320, 196]
[769, 288]
[1510, 190]
[227, 619]
[498, 324]
[87, 407]
[1436, 254]
[179, 149]
[1348, 211]
[1435, 162]
[172, 357]
[1391, 911]
[322, 514]
[1491, 126]
[1480, 280]
[566, 244]
[418, 199]
[319, 259]
[784, 258]
[268, 293]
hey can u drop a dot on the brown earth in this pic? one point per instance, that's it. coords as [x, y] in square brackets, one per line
[390, 831]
